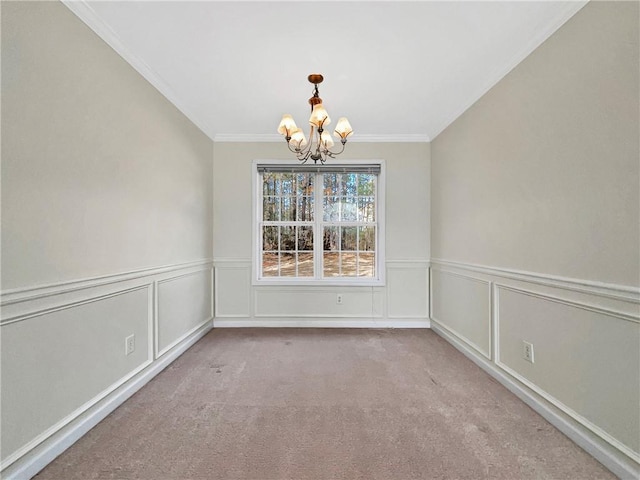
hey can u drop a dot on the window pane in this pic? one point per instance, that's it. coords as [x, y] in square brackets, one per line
[366, 209]
[288, 209]
[331, 264]
[305, 209]
[287, 264]
[287, 184]
[330, 239]
[349, 238]
[366, 184]
[304, 182]
[269, 238]
[349, 184]
[305, 264]
[269, 264]
[331, 184]
[349, 209]
[366, 264]
[287, 238]
[348, 264]
[271, 209]
[305, 238]
[331, 207]
[367, 238]
[269, 184]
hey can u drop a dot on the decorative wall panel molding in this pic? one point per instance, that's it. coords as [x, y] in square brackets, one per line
[583, 334]
[183, 305]
[232, 289]
[45, 452]
[63, 321]
[56, 367]
[602, 364]
[407, 285]
[307, 302]
[619, 464]
[241, 303]
[29, 313]
[461, 303]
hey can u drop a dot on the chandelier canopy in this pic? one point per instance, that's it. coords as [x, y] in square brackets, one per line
[320, 142]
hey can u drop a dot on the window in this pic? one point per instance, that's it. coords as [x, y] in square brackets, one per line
[319, 223]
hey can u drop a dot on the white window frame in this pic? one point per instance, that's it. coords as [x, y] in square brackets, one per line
[379, 280]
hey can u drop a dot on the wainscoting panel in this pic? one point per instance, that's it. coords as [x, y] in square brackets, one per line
[461, 303]
[67, 357]
[301, 302]
[585, 360]
[407, 290]
[402, 303]
[233, 289]
[585, 375]
[184, 305]
[64, 363]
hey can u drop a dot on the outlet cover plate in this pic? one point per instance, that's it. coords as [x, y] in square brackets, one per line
[129, 344]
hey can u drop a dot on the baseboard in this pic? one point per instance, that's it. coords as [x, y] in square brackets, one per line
[238, 322]
[618, 463]
[38, 458]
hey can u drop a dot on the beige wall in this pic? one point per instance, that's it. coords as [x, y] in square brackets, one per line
[100, 173]
[405, 295]
[101, 176]
[540, 180]
[542, 173]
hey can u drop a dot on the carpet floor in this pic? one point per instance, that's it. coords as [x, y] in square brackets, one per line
[311, 404]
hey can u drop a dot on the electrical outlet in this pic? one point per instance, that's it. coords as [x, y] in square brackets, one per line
[339, 299]
[527, 351]
[129, 344]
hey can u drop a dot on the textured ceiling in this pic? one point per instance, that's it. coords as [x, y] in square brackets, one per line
[397, 70]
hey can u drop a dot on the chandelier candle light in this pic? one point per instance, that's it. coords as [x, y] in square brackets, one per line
[318, 148]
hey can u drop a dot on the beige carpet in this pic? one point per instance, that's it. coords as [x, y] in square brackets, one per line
[323, 404]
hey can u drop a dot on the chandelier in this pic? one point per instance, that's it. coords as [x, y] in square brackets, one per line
[320, 142]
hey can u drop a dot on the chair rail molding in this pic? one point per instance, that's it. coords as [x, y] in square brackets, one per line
[23, 294]
[602, 289]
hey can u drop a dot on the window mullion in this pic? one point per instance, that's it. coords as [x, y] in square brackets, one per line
[318, 213]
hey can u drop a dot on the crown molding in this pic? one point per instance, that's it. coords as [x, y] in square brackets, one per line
[571, 8]
[271, 138]
[82, 10]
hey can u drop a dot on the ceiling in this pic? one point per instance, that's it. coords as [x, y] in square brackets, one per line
[400, 71]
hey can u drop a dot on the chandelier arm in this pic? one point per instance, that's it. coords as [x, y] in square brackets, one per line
[334, 154]
[293, 150]
[307, 149]
[303, 158]
[311, 135]
[302, 153]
